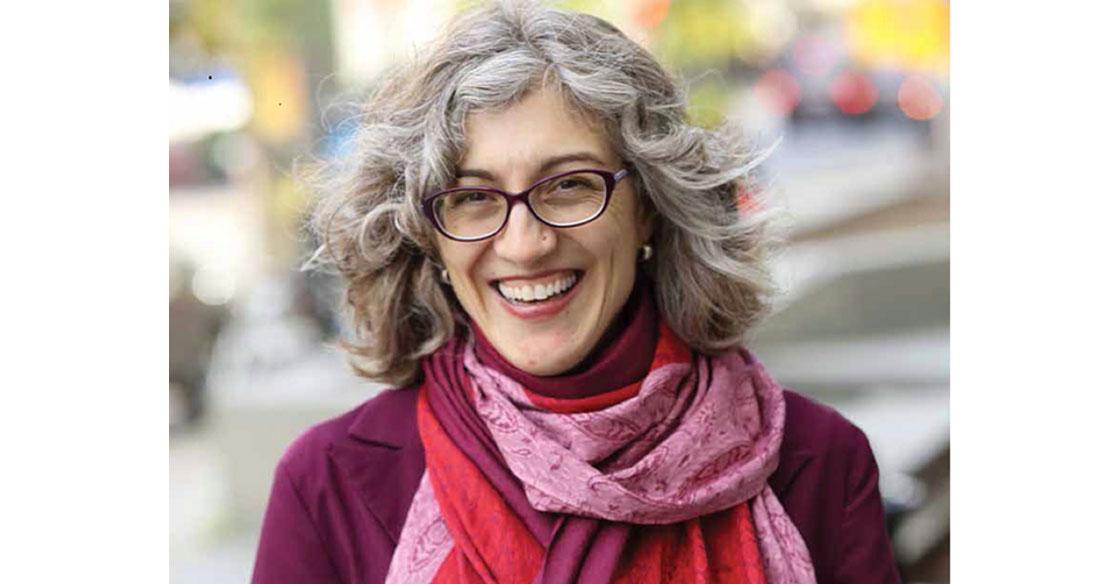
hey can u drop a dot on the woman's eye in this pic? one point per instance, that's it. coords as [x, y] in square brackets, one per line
[572, 183]
[468, 197]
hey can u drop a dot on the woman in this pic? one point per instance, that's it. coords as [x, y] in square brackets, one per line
[556, 271]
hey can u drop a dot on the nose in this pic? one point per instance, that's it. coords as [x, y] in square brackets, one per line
[524, 239]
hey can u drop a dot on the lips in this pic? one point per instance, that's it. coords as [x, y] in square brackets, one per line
[539, 295]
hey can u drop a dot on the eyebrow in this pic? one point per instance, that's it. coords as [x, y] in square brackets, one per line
[545, 165]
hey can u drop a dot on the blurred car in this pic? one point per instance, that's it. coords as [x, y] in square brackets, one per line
[817, 79]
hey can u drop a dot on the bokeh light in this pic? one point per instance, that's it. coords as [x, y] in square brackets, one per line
[651, 13]
[853, 93]
[918, 98]
[214, 285]
[778, 89]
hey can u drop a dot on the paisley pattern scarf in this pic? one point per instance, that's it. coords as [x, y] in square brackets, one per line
[663, 482]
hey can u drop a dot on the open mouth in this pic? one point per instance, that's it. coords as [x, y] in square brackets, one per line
[529, 294]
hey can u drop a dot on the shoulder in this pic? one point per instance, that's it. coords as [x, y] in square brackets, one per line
[827, 481]
[818, 434]
[818, 429]
[386, 420]
[833, 494]
[368, 459]
[343, 487]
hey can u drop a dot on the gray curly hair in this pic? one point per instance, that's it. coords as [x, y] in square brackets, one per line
[709, 264]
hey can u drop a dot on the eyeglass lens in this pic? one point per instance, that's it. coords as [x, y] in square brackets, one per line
[565, 200]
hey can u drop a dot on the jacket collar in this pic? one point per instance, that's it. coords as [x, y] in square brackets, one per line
[388, 420]
[790, 465]
[384, 459]
[801, 440]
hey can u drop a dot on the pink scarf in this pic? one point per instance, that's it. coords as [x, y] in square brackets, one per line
[701, 435]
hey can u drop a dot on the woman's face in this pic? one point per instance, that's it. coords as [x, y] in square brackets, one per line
[510, 149]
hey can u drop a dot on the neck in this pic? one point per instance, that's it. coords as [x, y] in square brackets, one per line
[620, 358]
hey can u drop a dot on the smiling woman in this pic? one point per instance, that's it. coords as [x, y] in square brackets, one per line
[547, 259]
[594, 262]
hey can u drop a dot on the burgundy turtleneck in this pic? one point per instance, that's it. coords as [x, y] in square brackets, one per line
[621, 358]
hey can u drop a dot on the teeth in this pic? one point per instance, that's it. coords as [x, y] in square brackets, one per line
[538, 292]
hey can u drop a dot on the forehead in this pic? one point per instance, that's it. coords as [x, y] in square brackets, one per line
[539, 126]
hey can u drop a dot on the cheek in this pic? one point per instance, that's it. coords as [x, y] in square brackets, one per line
[461, 260]
[619, 236]
[455, 255]
[614, 249]
[625, 218]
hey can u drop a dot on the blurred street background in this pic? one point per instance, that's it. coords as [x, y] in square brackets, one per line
[855, 92]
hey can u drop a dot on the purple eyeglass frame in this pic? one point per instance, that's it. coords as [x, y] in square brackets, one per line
[610, 180]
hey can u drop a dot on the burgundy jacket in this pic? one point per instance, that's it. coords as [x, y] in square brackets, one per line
[342, 490]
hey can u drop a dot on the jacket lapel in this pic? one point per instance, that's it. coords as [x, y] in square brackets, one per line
[798, 439]
[383, 459]
[789, 465]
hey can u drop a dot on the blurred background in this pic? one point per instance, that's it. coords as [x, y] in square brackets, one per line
[857, 91]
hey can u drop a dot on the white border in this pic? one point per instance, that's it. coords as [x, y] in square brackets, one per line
[1034, 292]
[84, 435]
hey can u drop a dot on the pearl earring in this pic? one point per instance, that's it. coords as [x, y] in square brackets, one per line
[647, 252]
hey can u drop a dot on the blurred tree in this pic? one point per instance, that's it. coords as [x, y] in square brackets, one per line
[280, 47]
[282, 50]
[687, 36]
[702, 34]
[243, 25]
[693, 38]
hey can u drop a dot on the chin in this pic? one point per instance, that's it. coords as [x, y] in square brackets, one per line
[543, 354]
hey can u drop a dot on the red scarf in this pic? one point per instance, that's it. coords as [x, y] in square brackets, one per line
[493, 544]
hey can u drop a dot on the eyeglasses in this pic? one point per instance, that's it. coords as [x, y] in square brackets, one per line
[567, 199]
